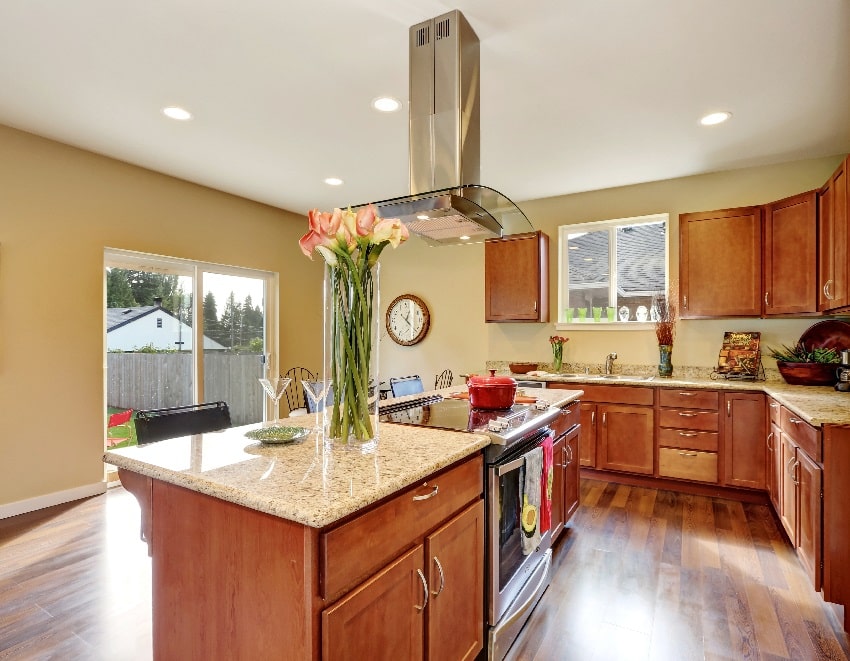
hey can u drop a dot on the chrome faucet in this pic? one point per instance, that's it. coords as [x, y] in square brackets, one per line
[609, 362]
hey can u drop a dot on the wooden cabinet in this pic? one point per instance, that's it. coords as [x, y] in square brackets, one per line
[720, 263]
[565, 478]
[834, 241]
[790, 255]
[744, 432]
[587, 437]
[774, 466]
[688, 438]
[516, 278]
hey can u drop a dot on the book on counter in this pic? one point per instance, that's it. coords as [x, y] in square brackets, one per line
[740, 354]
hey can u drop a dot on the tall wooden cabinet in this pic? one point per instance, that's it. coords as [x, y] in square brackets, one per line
[516, 278]
[790, 255]
[834, 242]
[720, 263]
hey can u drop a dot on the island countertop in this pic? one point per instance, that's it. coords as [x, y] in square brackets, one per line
[310, 482]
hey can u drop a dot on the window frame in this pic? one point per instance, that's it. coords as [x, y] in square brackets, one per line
[563, 267]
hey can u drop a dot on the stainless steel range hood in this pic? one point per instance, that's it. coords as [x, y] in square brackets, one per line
[447, 205]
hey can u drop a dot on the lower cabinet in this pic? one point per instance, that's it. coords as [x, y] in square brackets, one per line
[688, 437]
[744, 424]
[625, 438]
[427, 604]
[565, 468]
[587, 439]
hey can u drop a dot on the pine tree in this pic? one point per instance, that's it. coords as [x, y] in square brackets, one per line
[118, 291]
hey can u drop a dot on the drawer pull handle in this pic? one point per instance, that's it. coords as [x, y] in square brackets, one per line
[433, 493]
[729, 408]
[794, 476]
[425, 590]
[774, 405]
[769, 438]
[442, 577]
[688, 454]
[826, 289]
[568, 450]
[687, 394]
[689, 415]
[593, 418]
[604, 416]
[687, 434]
[796, 421]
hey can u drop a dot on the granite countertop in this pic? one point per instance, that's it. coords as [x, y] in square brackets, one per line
[817, 405]
[310, 482]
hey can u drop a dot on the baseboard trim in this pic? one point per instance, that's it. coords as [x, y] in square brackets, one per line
[50, 499]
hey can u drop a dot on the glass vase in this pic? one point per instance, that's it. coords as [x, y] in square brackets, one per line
[351, 333]
[665, 363]
[557, 358]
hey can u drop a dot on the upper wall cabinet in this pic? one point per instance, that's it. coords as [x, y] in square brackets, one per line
[833, 239]
[790, 255]
[516, 278]
[720, 263]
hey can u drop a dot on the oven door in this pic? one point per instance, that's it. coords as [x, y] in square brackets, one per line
[508, 569]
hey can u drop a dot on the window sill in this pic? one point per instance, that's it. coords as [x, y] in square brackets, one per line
[606, 325]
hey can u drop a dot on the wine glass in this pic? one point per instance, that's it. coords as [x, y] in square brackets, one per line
[316, 391]
[275, 388]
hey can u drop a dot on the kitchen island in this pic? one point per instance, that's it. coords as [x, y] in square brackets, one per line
[305, 551]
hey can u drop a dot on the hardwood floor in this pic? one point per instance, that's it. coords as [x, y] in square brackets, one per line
[649, 574]
[639, 574]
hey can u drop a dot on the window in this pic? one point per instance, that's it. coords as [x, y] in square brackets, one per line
[612, 271]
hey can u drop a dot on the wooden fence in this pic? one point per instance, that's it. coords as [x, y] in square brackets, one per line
[158, 380]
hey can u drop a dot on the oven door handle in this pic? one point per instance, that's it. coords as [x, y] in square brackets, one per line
[511, 465]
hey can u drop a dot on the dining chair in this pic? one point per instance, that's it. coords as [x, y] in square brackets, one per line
[443, 380]
[406, 385]
[294, 393]
[159, 424]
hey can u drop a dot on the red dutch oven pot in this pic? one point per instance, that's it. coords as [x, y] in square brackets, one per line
[491, 392]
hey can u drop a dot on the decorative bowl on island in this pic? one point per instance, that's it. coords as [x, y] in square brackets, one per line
[522, 368]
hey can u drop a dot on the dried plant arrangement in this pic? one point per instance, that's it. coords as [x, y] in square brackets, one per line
[666, 315]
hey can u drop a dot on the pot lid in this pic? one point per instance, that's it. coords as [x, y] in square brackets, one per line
[491, 380]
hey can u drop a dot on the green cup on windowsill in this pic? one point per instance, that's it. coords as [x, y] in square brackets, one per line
[569, 313]
[612, 313]
[597, 314]
[582, 314]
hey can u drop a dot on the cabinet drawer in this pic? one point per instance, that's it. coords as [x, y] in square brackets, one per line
[773, 408]
[687, 464]
[688, 419]
[569, 416]
[804, 435]
[688, 439]
[688, 399]
[357, 549]
[618, 394]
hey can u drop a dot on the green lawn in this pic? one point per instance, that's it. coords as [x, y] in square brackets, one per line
[122, 431]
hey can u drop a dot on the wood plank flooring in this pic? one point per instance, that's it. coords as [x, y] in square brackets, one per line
[657, 575]
[639, 574]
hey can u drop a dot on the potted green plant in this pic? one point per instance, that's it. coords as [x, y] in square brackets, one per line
[806, 366]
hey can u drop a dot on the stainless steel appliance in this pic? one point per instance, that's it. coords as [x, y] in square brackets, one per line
[514, 582]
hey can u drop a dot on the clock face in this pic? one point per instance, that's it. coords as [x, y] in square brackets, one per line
[407, 319]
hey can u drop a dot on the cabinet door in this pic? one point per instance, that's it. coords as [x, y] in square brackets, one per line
[788, 515]
[774, 467]
[790, 255]
[456, 583]
[383, 618]
[516, 278]
[833, 237]
[571, 476]
[720, 263]
[743, 436]
[558, 470]
[810, 480]
[587, 436]
[625, 438]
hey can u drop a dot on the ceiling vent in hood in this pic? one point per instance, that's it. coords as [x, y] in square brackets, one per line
[446, 205]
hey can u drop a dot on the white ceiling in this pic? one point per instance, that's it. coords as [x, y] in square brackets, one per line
[576, 95]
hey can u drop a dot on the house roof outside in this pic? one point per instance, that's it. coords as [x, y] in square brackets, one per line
[118, 317]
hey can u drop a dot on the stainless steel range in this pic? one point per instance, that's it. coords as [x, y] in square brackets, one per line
[516, 579]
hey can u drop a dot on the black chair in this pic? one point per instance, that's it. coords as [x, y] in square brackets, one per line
[159, 424]
[294, 392]
[406, 385]
[443, 380]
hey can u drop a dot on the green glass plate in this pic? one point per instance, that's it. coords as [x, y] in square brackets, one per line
[278, 435]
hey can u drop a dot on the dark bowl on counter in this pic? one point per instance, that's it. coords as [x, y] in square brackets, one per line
[808, 374]
[522, 368]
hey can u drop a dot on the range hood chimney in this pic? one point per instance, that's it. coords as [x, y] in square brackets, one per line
[447, 205]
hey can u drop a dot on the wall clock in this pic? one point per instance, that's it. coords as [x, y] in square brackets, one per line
[408, 320]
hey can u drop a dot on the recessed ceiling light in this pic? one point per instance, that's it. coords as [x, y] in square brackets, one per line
[464, 238]
[386, 104]
[715, 118]
[175, 112]
[333, 181]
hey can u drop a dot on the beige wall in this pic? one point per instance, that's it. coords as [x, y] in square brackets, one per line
[451, 279]
[59, 208]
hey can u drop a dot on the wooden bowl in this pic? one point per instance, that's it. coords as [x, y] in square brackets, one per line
[522, 368]
[808, 374]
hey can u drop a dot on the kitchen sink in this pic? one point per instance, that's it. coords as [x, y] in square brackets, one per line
[625, 377]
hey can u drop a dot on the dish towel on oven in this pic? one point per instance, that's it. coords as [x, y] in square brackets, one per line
[530, 513]
[546, 486]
